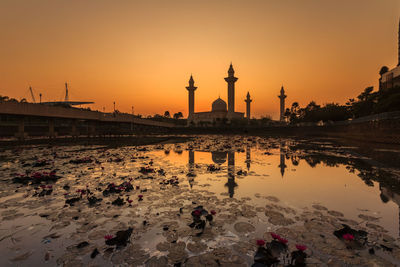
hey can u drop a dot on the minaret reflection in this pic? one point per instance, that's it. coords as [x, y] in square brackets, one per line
[282, 164]
[231, 184]
[248, 155]
[191, 173]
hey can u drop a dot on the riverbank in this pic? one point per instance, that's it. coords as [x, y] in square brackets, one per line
[385, 131]
[114, 141]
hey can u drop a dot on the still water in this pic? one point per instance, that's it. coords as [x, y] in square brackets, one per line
[256, 186]
[297, 180]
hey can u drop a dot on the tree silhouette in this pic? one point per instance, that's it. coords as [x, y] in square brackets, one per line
[178, 115]
[383, 70]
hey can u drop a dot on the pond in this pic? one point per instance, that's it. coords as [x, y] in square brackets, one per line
[145, 206]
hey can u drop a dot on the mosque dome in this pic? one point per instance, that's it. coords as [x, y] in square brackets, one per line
[219, 105]
[218, 157]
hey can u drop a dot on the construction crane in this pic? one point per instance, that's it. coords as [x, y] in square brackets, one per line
[32, 95]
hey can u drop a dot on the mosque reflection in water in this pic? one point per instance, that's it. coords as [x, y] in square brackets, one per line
[289, 152]
[219, 158]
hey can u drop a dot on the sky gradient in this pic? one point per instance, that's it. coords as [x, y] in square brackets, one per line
[141, 53]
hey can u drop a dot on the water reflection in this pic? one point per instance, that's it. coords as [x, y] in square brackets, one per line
[231, 184]
[313, 174]
[387, 194]
[248, 156]
[296, 153]
[283, 154]
[330, 176]
[219, 158]
[191, 165]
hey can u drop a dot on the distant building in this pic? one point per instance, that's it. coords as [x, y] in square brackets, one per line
[248, 103]
[220, 111]
[282, 97]
[391, 78]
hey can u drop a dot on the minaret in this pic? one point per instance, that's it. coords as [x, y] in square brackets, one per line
[231, 79]
[191, 88]
[282, 97]
[248, 101]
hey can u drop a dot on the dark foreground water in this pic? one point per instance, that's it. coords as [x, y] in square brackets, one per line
[63, 205]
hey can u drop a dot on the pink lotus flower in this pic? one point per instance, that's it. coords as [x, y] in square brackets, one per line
[283, 240]
[348, 237]
[260, 242]
[49, 186]
[301, 247]
[130, 201]
[197, 213]
[108, 237]
[37, 175]
[213, 212]
[275, 236]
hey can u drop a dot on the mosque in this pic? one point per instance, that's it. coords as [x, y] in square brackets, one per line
[220, 111]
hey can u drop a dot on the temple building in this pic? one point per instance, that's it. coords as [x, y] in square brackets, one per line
[391, 78]
[220, 110]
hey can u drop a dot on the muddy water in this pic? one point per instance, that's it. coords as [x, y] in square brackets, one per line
[303, 190]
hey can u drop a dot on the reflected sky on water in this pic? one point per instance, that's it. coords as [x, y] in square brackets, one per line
[299, 178]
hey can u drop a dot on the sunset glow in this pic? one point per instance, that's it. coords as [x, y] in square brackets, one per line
[141, 53]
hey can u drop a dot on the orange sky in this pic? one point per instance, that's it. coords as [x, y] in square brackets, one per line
[141, 53]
